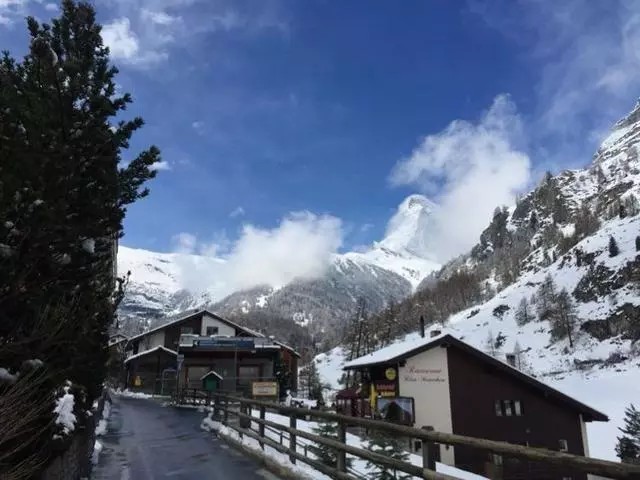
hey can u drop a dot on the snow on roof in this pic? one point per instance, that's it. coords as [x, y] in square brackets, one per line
[388, 353]
[193, 314]
[151, 350]
[211, 372]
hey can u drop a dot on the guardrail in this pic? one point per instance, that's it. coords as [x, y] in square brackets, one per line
[225, 406]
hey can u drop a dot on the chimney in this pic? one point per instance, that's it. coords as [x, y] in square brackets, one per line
[421, 326]
[511, 359]
[435, 333]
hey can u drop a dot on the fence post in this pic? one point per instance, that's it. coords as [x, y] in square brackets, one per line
[216, 399]
[428, 452]
[241, 419]
[341, 455]
[225, 420]
[292, 438]
[261, 426]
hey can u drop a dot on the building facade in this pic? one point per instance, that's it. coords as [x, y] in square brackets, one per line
[447, 385]
[181, 353]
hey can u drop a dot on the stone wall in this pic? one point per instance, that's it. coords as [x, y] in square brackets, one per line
[75, 462]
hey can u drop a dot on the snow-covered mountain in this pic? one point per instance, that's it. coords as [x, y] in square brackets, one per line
[162, 284]
[562, 230]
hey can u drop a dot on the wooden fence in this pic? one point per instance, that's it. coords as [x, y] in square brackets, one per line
[239, 410]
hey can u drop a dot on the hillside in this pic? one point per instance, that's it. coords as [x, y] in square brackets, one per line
[554, 279]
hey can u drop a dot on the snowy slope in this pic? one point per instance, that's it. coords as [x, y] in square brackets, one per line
[602, 369]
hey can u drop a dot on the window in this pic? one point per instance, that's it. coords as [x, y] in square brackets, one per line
[186, 330]
[563, 445]
[495, 458]
[508, 408]
[212, 331]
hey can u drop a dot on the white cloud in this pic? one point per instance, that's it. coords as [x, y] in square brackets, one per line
[471, 168]
[301, 246]
[157, 28]
[184, 242]
[51, 7]
[121, 40]
[236, 212]
[585, 56]
[158, 17]
[161, 165]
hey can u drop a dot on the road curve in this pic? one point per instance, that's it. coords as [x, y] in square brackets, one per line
[148, 441]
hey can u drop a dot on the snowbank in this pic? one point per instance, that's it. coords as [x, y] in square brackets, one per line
[129, 394]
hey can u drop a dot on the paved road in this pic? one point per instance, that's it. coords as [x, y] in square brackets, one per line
[147, 441]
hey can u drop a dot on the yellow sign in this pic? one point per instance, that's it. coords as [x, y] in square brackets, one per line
[137, 381]
[264, 389]
[390, 373]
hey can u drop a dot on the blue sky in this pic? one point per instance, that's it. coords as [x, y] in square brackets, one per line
[343, 108]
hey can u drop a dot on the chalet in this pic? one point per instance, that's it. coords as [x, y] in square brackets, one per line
[445, 384]
[184, 351]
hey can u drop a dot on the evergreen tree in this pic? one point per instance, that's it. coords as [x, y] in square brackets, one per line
[384, 443]
[63, 199]
[613, 247]
[546, 297]
[327, 455]
[564, 317]
[283, 377]
[523, 312]
[628, 447]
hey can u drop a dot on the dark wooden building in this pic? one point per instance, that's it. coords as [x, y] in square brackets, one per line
[195, 344]
[450, 386]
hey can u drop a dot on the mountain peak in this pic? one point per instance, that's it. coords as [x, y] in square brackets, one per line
[408, 228]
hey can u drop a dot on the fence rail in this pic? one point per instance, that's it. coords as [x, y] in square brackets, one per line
[225, 406]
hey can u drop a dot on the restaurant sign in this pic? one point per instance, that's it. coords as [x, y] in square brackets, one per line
[385, 388]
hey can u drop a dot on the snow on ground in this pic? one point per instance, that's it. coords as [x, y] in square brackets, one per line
[358, 465]
[63, 411]
[97, 448]
[300, 469]
[129, 394]
[101, 428]
[329, 366]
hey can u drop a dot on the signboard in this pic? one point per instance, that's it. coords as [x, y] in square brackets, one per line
[264, 389]
[222, 343]
[385, 388]
[397, 409]
[390, 374]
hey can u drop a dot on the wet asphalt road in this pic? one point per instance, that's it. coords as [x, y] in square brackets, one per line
[148, 441]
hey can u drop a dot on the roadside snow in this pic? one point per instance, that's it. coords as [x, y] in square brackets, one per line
[101, 428]
[129, 394]
[97, 448]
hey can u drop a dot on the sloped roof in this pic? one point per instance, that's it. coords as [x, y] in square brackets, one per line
[402, 350]
[195, 314]
[151, 350]
[211, 372]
